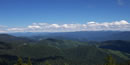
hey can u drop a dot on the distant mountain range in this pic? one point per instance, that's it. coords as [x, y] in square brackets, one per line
[80, 36]
[69, 51]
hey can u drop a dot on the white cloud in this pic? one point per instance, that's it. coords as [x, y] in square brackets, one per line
[117, 25]
[55, 25]
[89, 26]
[92, 22]
[18, 29]
[34, 27]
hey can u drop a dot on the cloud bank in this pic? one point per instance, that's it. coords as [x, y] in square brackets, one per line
[122, 25]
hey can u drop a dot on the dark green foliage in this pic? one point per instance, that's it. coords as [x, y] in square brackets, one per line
[19, 62]
[47, 63]
[3, 62]
[79, 55]
[29, 61]
[61, 43]
[4, 45]
[110, 60]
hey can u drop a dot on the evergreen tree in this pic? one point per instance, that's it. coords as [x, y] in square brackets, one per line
[19, 62]
[110, 60]
[66, 64]
[47, 63]
[25, 64]
[29, 61]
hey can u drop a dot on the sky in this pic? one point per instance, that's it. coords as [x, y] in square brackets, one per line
[64, 15]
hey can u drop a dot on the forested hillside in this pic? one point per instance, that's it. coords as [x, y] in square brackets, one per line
[60, 52]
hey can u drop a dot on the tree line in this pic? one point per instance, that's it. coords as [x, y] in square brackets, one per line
[109, 61]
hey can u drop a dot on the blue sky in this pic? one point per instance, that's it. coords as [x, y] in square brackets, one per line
[22, 13]
[25, 12]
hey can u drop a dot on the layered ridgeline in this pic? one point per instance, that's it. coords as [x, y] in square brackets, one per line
[57, 52]
[79, 36]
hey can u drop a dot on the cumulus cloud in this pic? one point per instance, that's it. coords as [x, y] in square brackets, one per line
[89, 26]
[116, 25]
[34, 27]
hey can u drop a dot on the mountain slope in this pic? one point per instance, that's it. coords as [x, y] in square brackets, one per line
[119, 45]
[13, 39]
[83, 54]
[67, 51]
[61, 43]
